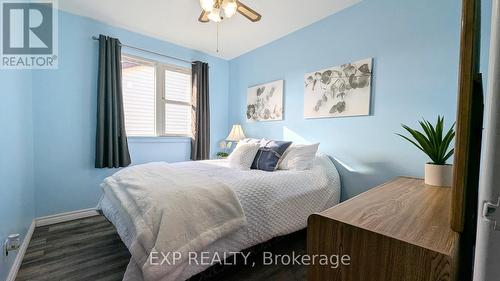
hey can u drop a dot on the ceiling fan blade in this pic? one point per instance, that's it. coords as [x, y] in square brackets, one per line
[203, 17]
[248, 12]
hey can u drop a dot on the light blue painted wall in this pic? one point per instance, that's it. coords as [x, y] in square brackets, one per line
[415, 50]
[16, 159]
[415, 46]
[65, 110]
[415, 75]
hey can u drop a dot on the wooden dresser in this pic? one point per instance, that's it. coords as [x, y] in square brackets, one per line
[399, 231]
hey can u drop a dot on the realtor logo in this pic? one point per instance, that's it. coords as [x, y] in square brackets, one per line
[29, 34]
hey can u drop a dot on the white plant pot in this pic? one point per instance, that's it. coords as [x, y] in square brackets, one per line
[438, 175]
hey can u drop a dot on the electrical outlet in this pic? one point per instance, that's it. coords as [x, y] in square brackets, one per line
[12, 243]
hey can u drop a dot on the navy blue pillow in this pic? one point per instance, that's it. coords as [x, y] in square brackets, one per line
[269, 155]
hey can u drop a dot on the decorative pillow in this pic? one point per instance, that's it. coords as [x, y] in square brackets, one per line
[269, 155]
[299, 157]
[243, 155]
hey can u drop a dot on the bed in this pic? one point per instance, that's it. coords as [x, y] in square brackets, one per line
[274, 204]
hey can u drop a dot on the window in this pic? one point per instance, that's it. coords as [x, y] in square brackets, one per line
[177, 101]
[139, 97]
[156, 98]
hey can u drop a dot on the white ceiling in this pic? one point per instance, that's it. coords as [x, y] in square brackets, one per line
[176, 21]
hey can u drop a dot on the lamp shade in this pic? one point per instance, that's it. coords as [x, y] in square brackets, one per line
[215, 15]
[229, 7]
[207, 5]
[236, 134]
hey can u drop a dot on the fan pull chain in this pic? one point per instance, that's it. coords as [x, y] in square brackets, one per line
[217, 38]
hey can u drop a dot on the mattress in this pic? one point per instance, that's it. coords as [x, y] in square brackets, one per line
[275, 204]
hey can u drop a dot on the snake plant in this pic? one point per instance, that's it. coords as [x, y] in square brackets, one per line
[433, 141]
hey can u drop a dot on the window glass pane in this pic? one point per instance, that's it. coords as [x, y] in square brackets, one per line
[139, 97]
[177, 119]
[177, 86]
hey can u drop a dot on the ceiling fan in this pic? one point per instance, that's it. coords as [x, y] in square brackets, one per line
[218, 10]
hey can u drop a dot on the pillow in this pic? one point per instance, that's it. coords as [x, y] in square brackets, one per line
[269, 155]
[243, 155]
[250, 140]
[299, 157]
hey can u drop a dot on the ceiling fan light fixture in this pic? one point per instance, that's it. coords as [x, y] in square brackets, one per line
[215, 15]
[218, 10]
[230, 7]
[207, 5]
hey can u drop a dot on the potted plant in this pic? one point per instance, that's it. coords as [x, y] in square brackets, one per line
[224, 146]
[434, 142]
[222, 155]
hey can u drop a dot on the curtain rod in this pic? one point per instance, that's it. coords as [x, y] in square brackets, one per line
[147, 51]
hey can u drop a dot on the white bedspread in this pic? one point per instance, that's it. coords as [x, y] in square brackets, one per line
[275, 203]
[172, 211]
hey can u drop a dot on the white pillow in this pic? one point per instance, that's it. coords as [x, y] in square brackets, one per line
[243, 155]
[250, 140]
[299, 157]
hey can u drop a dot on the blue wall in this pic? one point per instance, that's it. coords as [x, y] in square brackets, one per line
[65, 109]
[16, 159]
[47, 118]
[415, 50]
[415, 46]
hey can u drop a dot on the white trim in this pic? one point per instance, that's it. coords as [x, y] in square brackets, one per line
[160, 139]
[20, 255]
[63, 217]
[43, 221]
[160, 97]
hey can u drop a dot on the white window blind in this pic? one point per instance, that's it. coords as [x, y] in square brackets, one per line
[157, 98]
[139, 96]
[177, 102]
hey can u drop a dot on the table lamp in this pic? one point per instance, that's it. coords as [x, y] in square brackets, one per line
[236, 134]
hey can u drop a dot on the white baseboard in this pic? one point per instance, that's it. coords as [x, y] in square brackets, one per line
[63, 217]
[20, 255]
[43, 221]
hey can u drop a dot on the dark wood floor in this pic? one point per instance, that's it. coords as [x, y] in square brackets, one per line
[90, 249]
[85, 249]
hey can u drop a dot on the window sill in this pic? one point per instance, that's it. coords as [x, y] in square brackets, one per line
[159, 139]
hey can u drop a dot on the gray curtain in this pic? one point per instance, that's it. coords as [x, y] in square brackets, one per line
[200, 144]
[111, 139]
